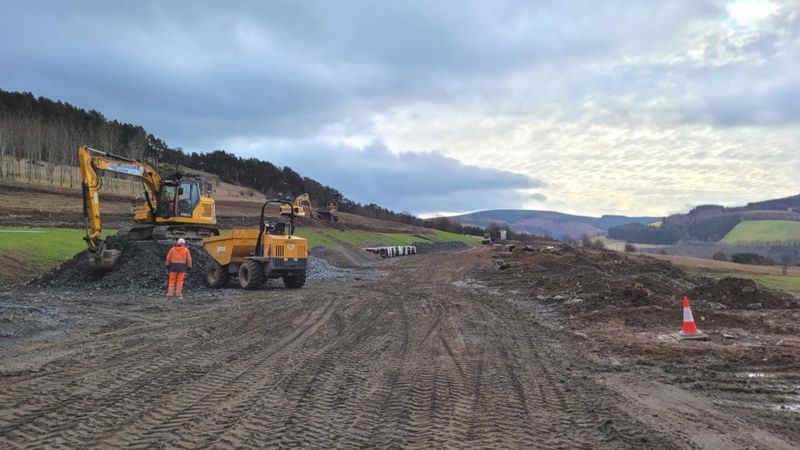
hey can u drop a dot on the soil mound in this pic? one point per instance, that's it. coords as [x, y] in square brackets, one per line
[604, 286]
[741, 294]
[605, 276]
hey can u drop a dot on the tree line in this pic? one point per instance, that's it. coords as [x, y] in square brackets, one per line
[35, 131]
[709, 230]
[39, 138]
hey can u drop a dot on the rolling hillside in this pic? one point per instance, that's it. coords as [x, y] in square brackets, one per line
[751, 231]
[549, 223]
[786, 203]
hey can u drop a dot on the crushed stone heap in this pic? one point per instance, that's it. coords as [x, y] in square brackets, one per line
[141, 270]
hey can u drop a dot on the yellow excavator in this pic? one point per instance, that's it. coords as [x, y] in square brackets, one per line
[301, 207]
[175, 206]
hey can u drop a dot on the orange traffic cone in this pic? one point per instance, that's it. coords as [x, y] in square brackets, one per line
[690, 330]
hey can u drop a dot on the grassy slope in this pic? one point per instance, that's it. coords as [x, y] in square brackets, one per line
[44, 245]
[447, 236]
[26, 252]
[763, 231]
[355, 238]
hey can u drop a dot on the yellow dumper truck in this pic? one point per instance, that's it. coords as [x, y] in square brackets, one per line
[255, 256]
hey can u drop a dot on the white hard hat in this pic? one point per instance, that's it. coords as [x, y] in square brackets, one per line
[181, 241]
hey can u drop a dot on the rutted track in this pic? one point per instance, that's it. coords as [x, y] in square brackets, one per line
[410, 361]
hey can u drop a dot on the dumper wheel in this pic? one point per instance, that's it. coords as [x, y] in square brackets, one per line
[251, 275]
[216, 276]
[294, 281]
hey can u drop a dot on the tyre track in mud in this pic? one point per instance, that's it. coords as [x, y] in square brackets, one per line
[411, 361]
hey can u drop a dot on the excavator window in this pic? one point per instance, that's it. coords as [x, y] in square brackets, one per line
[188, 198]
[179, 200]
[166, 200]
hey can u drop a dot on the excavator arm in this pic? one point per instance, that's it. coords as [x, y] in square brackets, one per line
[301, 207]
[301, 202]
[91, 161]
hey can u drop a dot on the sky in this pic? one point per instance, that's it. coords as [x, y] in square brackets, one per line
[585, 107]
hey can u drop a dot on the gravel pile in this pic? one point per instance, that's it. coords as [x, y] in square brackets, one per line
[320, 270]
[435, 247]
[140, 269]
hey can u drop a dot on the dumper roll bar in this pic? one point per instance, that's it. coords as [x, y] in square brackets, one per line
[262, 225]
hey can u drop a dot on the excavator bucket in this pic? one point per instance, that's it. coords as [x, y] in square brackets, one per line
[104, 259]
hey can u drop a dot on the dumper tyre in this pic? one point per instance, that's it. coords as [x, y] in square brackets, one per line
[251, 275]
[295, 281]
[216, 275]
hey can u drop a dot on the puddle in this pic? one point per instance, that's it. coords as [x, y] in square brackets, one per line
[468, 283]
[792, 407]
[755, 375]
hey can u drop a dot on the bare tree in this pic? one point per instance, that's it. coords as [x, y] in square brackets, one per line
[5, 142]
[109, 137]
[32, 144]
[136, 146]
[52, 150]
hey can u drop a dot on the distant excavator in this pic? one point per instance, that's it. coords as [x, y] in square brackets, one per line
[174, 207]
[329, 212]
[301, 207]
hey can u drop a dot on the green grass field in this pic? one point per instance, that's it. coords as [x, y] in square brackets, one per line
[27, 252]
[763, 231]
[44, 245]
[445, 236]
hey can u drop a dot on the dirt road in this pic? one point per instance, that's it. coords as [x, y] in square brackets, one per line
[426, 357]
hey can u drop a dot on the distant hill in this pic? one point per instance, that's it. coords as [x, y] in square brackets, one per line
[786, 204]
[549, 223]
[772, 220]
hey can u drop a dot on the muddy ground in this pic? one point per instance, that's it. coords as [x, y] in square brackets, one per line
[562, 349]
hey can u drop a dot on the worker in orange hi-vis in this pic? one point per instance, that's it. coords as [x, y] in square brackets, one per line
[179, 260]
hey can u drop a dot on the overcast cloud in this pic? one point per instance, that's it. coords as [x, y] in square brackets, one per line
[633, 107]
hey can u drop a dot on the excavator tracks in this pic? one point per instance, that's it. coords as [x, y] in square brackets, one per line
[188, 232]
[144, 232]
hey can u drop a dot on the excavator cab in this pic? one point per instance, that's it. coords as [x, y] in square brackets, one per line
[178, 197]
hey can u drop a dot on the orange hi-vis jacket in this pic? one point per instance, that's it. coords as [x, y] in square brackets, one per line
[179, 259]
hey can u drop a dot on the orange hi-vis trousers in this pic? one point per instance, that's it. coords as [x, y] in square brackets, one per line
[175, 284]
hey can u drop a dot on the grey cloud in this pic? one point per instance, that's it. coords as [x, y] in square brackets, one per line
[194, 71]
[773, 105]
[201, 74]
[420, 182]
